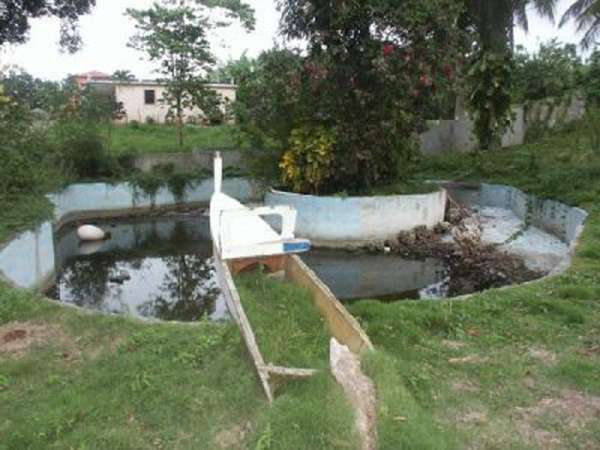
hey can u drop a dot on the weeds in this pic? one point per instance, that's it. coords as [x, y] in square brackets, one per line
[289, 330]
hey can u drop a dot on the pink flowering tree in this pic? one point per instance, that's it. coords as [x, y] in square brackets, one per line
[370, 69]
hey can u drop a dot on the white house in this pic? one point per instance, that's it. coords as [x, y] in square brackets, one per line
[141, 100]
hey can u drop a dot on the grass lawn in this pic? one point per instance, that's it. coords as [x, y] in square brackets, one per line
[145, 138]
[516, 368]
[82, 381]
[289, 330]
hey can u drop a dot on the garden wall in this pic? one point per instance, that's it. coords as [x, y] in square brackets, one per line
[443, 136]
[198, 159]
[457, 135]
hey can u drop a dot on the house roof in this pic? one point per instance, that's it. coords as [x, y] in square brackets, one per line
[94, 74]
[155, 83]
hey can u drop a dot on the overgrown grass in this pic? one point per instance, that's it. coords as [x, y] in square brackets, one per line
[477, 373]
[502, 369]
[107, 382]
[145, 138]
[100, 382]
[22, 213]
[289, 329]
[564, 166]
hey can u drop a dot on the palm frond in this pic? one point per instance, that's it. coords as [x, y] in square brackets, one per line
[586, 15]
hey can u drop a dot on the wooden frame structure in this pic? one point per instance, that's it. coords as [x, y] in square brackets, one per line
[340, 323]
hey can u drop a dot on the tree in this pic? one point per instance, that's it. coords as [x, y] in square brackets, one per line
[16, 14]
[586, 14]
[32, 92]
[553, 71]
[369, 69]
[175, 37]
[489, 76]
[123, 75]
[234, 70]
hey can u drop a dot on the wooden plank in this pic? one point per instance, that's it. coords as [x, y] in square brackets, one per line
[289, 372]
[342, 325]
[234, 305]
[278, 376]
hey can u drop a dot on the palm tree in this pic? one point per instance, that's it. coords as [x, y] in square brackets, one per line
[494, 21]
[492, 24]
[586, 13]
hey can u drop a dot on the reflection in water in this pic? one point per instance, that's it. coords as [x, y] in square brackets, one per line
[159, 268]
[188, 290]
[163, 268]
[353, 276]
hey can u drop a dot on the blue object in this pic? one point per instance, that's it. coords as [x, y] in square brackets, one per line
[296, 247]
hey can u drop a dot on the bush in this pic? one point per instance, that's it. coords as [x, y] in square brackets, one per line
[592, 128]
[82, 150]
[29, 161]
[370, 80]
[307, 165]
[266, 100]
[592, 80]
[554, 71]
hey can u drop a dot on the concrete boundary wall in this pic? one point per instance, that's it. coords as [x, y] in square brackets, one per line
[457, 135]
[444, 136]
[198, 159]
[29, 260]
[360, 219]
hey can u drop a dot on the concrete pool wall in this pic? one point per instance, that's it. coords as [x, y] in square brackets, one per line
[29, 259]
[561, 220]
[359, 219]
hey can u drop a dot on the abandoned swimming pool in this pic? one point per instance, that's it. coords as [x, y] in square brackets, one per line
[160, 266]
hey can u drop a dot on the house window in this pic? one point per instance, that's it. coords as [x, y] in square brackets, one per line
[149, 97]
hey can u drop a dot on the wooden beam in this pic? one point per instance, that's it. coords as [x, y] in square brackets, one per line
[342, 325]
[234, 304]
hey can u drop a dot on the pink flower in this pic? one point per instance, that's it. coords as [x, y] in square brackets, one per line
[388, 49]
[424, 80]
[448, 70]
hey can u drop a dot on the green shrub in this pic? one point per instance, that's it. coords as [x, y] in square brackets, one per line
[83, 150]
[371, 84]
[592, 80]
[592, 127]
[29, 161]
[307, 165]
[554, 71]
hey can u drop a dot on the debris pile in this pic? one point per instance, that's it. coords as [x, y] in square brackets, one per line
[472, 265]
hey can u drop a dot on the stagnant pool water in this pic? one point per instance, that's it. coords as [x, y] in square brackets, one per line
[156, 267]
[163, 268]
[357, 275]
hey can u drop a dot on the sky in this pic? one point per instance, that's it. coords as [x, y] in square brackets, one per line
[107, 30]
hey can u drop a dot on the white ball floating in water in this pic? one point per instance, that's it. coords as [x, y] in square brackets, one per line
[91, 233]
